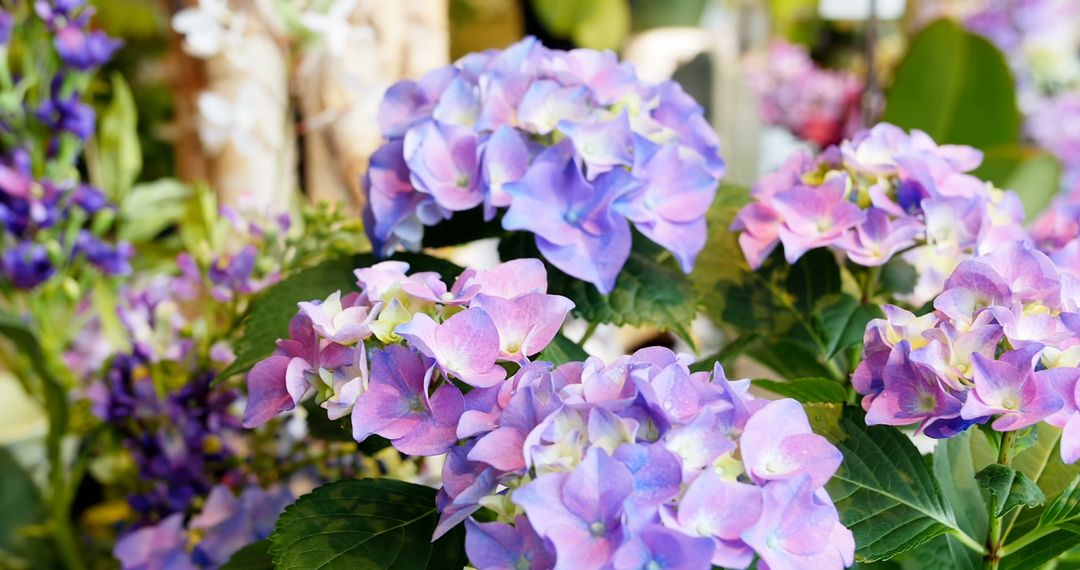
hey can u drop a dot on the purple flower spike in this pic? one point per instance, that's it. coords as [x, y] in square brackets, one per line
[814, 217]
[799, 529]
[658, 548]
[777, 443]
[580, 512]
[1011, 389]
[395, 406]
[443, 161]
[527, 323]
[498, 546]
[84, 50]
[465, 346]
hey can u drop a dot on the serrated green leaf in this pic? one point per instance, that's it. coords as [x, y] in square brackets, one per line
[367, 524]
[842, 320]
[807, 390]
[118, 157]
[1042, 464]
[968, 81]
[560, 351]
[1010, 488]
[884, 491]
[955, 471]
[813, 277]
[1064, 510]
[251, 557]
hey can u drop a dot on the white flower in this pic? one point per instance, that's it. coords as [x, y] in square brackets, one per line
[223, 121]
[334, 27]
[209, 28]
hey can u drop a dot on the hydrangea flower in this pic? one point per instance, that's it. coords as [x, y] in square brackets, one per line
[571, 144]
[1000, 346]
[816, 104]
[885, 193]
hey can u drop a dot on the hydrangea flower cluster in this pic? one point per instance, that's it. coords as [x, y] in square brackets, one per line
[1054, 124]
[179, 440]
[225, 524]
[640, 464]
[572, 144]
[885, 193]
[392, 354]
[1000, 345]
[816, 104]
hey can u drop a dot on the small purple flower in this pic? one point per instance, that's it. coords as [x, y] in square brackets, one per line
[911, 393]
[465, 346]
[814, 217]
[158, 547]
[526, 324]
[6, 24]
[799, 528]
[1012, 390]
[658, 548]
[443, 162]
[498, 546]
[778, 444]
[722, 510]
[26, 265]
[580, 512]
[396, 407]
[84, 50]
[339, 320]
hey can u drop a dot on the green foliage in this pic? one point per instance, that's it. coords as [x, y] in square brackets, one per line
[151, 208]
[20, 507]
[954, 468]
[1010, 488]
[596, 24]
[807, 390]
[885, 492]
[842, 320]
[561, 350]
[368, 524]
[118, 157]
[955, 86]
[651, 290]
[1064, 510]
[251, 557]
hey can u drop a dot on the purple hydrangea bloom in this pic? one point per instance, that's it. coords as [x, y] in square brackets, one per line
[484, 132]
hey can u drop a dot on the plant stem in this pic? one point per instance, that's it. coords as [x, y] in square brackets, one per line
[993, 541]
[1027, 539]
[588, 334]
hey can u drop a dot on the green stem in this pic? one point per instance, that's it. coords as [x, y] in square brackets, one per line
[993, 541]
[1026, 540]
[871, 283]
[588, 334]
[969, 542]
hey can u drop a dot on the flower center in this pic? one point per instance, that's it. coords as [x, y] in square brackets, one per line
[597, 529]
[1010, 402]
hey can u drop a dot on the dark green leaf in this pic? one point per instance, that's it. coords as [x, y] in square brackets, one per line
[1041, 463]
[807, 390]
[956, 86]
[726, 354]
[562, 350]
[1064, 510]
[885, 492]
[955, 472]
[842, 320]
[1038, 553]
[251, 557]
[322, 427]
[1010, 488]
[788, 358]
[368, 524]
[814, 276]
[464, 227]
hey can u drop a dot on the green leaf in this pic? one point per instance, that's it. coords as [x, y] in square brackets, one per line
[814, 276]
[562, 350]
[251, 557]
[1010, 488]
[885, 492]
[956, 86]
[601, 24]
[955, 471]
[807, 390]
[1064, 510]
[650, 289]
[464, 227]
[1034, 174]
[842, 321]
[367, 524]
[56, 394]
[788, 357]
[151, 208]
[119, 158]
[1038, 553]
[320, 426]
[20, 506]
